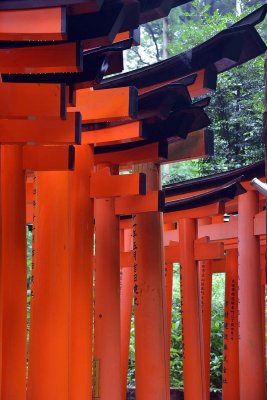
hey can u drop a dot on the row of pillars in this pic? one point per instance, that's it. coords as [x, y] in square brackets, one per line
[78, 316]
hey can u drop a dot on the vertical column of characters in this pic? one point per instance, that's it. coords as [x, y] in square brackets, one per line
[230, 384]
[151, 341]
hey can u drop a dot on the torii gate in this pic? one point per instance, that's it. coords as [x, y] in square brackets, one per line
[65, 135]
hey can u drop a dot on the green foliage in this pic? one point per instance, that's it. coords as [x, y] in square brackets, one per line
[237, 105]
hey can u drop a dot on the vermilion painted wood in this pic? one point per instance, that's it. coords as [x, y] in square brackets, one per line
[260, 223]
[137, 204]
[206, 250]
[32, 100]
[35, 24]
[152, 152]
[115, 134]
[134, 34]
[220, 231]
[126, 259]
[48, 158]
[105, 185]
[172, 252]
[193, 345]
[107, 339]
[263, 294]
[106, 105]
[251, 351]
[13, 275]
[45, 131]
[218, 266]
[199, 212]
[231, 367]
[61, 309]
[126, 300]
[63, 57]
[149, 301]
[205, 279]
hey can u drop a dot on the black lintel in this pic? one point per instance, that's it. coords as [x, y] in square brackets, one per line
[223, 193]
[192, 185]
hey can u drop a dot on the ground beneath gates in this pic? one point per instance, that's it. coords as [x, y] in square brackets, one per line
[175, 395]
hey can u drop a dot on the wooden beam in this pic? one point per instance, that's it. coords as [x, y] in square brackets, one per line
[206, 250]
[35, 24]
[88, 5]
[104, 185]
[133, 34]
[225, 230]
[204, 83]
[45, 131]
[260, 223]
[198, 144]
[106, 105]
[172, 252]
[114, 134]
[63, 57]
[48, 158]
[152, 152]
[218, 266]
[30, 100]
[199, 212]
[152, 201]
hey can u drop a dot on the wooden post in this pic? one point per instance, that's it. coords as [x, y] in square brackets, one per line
[251, 352]
[61, 309]
[205, 279]
[230, 384]
[13, 274]
[107, 342]
[126, 300]
[152, 380]
[193, 346]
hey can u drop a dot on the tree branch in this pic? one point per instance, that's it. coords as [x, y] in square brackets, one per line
[151, 32]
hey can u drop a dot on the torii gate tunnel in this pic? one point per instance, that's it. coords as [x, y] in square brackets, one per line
[103, 240]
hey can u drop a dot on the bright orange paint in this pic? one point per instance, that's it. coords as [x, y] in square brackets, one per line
[107, 340]
[13, 275]
[251, 351]
[151, 337]
[61, 306]
[230, 384]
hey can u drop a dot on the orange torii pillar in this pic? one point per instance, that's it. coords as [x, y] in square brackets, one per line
[230, 384]
[205, 278]
[60, 358]
[126, 314]
[263, 306]
[126, 302]
[152, 380]
[107, 342]
[13, 274]
[193, 345]
[251, 351]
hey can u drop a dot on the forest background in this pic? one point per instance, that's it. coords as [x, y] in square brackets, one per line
[236, 112]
